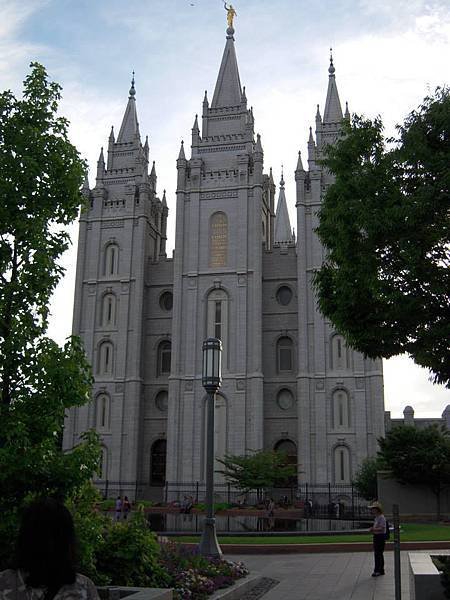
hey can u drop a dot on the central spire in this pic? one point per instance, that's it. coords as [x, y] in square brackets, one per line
[228, 91]
[333, 110]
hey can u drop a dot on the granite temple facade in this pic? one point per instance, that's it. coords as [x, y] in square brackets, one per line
[237, 273]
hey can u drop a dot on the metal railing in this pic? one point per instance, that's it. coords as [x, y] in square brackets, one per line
[321, 501]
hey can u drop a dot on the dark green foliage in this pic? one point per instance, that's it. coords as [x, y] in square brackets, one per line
[40, 176]
[418, 457]
[365, 479]
[385, 284]
[128, 554]
[258, 470]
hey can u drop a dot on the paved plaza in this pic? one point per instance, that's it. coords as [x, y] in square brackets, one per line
[342, 576]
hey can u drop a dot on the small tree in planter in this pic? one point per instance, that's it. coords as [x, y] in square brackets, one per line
[260, 470]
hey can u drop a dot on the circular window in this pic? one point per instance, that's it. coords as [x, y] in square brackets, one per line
[162, 400]
[284, 295]
[285, 399]
[166, 301]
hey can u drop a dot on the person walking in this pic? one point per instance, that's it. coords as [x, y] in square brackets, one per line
[43, 564]
[378, 530]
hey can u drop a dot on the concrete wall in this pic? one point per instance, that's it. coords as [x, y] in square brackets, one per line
[412, 500]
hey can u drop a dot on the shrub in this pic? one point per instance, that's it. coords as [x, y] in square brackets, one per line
[129, 555]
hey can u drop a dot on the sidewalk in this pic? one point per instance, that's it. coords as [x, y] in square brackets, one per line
[343, 576]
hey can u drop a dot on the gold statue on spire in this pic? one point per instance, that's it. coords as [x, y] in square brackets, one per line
[231, 13]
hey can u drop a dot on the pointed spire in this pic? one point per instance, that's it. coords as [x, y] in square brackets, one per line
[164, 201]
[228, 91]
[311, 138]
[318, 117]
[299, 162]
[271, 176]
[195, 126]
[347, 112]
[258, 146]
[244, 96]
[282, 178]
[101, 165]
[153, 171]
[181, 154]
[333, 110]
[129, 129]
[282, 227]
[205, 99]
[111, 135]
[146, 147]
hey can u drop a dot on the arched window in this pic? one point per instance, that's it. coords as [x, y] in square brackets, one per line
[158, 462]
[342, 472]
[289, 449]
[339, 353]
[217, 319]
[284, 354]
[164, 357]
[111, 266]
[105, 358]
[108, 310]
[340, 410]
[218, 240]
[103, 410]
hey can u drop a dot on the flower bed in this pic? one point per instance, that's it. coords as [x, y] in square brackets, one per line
[194, 576]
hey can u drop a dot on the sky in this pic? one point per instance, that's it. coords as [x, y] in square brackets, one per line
[388, 55]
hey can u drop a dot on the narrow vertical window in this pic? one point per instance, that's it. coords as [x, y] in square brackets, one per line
[103, 412]
[105, 359]
[108, 315]
[111, 259]
[164, 358]
[284, 354]
[339, 353]
[342, 464]
[218, 320]
[340, 410]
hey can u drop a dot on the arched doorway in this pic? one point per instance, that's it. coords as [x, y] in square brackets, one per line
[289, 449]
[158, 462]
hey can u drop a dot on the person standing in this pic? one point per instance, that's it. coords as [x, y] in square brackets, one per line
[43, 564]
[126, 507]
[118, 508]
[378, 530]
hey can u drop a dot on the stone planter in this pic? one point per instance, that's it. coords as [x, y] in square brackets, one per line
[425, 579]
[134, 593]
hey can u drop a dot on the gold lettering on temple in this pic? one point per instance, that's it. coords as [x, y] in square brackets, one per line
[218, 240]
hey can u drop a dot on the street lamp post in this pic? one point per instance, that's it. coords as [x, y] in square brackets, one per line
[211, 381]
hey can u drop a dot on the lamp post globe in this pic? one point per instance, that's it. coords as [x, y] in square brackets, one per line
[211, 381]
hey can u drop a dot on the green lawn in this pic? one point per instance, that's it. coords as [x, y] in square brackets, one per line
[410, 532]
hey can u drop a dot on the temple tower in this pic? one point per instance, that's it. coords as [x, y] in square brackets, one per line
[339, 392]
[222, 198]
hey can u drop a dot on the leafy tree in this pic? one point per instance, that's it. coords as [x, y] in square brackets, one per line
[40, 177]
[365, 479]
[418, 457]
[385, 283]
[257, 471]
